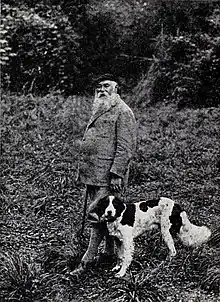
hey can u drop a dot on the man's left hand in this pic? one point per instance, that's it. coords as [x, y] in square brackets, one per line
[116, 184]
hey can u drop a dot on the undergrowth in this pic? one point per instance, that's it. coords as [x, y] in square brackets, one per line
[41, 205]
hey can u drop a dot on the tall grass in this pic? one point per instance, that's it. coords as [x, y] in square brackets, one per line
[18, 280]
[41, 209]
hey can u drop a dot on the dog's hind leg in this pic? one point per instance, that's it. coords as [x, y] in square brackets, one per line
[169, 242]
[165, 231]
[166, 206]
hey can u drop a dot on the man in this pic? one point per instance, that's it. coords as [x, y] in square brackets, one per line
[106, 151]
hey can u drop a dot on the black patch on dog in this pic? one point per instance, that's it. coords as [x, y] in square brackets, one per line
[175, 219]
[129, 215]
[149, 204]
[118, 205]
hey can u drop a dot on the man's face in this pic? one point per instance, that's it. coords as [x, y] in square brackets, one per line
[105, 88]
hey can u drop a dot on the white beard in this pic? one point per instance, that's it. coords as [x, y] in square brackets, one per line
[102, 103]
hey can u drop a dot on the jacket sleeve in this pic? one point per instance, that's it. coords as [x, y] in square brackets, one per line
[126, 133]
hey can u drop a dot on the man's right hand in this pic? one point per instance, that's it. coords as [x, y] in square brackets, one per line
[116, 184]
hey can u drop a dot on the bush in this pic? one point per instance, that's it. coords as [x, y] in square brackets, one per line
[185, 65]
[40, 50]
[18, 277]
[171, 49]
[195, 76]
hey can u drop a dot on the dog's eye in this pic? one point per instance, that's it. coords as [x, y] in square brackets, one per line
[116, 201]
[103, 203]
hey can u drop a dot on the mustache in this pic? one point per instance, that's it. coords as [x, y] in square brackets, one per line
[100, 93]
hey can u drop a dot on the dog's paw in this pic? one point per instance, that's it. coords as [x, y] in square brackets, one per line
[172, 254]
[116, 268]
[120, 274]
[170, 257]
[77, 272]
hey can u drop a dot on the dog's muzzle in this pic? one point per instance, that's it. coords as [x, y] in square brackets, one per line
[108, 217]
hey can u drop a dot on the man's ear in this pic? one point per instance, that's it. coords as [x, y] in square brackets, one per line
[117, 89]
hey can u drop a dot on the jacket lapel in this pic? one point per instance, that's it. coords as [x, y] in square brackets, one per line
[100, 112]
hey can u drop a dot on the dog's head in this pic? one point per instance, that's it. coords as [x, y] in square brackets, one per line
[109, 208]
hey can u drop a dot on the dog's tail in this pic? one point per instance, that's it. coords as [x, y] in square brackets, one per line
[192, 235]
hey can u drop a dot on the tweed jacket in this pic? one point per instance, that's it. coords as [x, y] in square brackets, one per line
[108, 144]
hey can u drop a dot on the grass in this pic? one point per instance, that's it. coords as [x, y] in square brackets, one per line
[41, 206]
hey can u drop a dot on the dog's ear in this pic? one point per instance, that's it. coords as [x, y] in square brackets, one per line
[118, 205]
[101, 206]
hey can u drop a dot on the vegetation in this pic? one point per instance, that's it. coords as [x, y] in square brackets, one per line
[166, 50]
[166, 55]
[41, 206]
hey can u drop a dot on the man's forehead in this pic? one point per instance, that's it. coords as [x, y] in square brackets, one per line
[106, 82]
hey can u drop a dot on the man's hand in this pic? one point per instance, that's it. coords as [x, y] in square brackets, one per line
[116, 184]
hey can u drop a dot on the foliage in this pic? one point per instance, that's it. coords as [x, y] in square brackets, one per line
[41, 47]
[168, 49]
[41, 205]
[138, 288]
[18, 278]
[118, 26]
[185, 67]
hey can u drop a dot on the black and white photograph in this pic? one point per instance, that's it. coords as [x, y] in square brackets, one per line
[110, 151]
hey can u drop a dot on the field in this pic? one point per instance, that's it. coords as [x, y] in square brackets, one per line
[41, 205]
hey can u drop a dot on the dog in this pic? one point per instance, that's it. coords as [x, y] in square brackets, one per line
[127, 221]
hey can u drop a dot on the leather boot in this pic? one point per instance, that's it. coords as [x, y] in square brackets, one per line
[96, 236]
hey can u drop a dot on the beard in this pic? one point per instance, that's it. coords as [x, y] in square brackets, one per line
[102, 101]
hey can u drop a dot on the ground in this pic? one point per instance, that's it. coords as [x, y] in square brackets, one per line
[41, 205]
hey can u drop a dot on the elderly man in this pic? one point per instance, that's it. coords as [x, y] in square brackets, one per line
[106, 151]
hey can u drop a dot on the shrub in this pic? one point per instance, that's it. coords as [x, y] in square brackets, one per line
[18, 277]
[40, 50]
[185, 65]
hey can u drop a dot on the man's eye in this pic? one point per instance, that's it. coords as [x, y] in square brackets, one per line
[106, 85]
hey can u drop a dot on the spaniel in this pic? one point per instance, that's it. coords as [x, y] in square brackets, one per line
[127, 221]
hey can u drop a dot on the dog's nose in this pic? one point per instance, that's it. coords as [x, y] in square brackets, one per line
[109, 213]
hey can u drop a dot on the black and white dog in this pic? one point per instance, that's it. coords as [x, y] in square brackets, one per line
[127, 221]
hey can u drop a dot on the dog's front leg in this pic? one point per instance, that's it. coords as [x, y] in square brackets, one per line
[120, 253]
[127, 250]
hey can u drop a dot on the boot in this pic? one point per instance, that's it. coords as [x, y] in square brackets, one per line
[96, 237]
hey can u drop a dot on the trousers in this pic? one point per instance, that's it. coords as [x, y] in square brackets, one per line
[98, 230]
